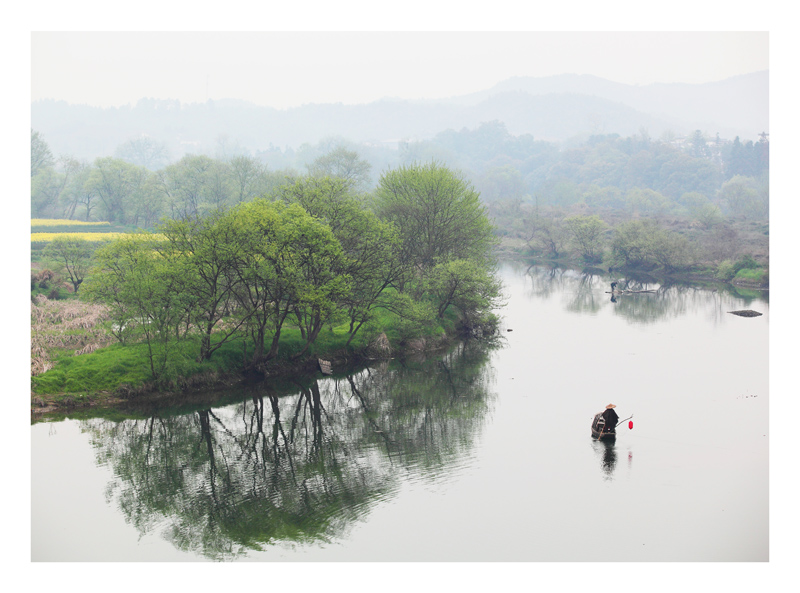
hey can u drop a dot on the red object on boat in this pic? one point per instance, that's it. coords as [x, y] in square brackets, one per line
[630, 424]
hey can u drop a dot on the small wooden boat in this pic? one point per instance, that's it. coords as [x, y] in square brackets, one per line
[599, 431]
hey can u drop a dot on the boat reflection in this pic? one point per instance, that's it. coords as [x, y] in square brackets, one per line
[607, 452]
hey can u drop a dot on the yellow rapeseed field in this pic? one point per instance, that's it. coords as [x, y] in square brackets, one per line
[47, 237]
[65, 222]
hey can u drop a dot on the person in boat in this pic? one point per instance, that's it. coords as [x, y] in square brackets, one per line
[611, 418]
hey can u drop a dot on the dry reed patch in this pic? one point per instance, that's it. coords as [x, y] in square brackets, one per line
[65, 325]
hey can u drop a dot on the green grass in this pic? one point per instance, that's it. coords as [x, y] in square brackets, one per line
[750, 275]
[107, 368]
[102, 370]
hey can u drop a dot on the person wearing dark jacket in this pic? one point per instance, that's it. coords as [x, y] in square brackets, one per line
[611, 418]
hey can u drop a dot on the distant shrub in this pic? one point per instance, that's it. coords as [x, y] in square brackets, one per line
[751, 275]
[746, 261]
[745, 268]
[726, 270]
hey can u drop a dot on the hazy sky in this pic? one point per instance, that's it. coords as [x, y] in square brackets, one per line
[283, 69]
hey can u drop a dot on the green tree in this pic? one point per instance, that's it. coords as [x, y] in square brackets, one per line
[561, 192]
[368, 243]
[546, 234]
[147, 294]
[46, 189]
[248, 178]
[632, 243]
[41, 157]
[466, 285]
[343, 164]
[587, 236]
[646, 201]
[604, 197]
[192, 186]
[144, 152]
[116, 183]
[499, 183]
[287, 263]
[438, 213]
[701, 209]
[73, 194]
[149, 204]
[742, 198]
[72, 253]
[697, 144]
[207, 249]
[671, 250]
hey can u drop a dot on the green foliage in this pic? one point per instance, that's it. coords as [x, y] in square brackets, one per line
[561, 192]
[701, 209]
[586, 233]
[545, 234]
[466, 285]
[726, 270]
[501, 183]
[73, 254]
[646, 201]
[605, 197]
[751, 275]
[632, 244]
[743, 199]
[118, 185]
[369, 244]
[671, 250]
[146, 291]
[41, 157]
[345, 165]
[644, 244]
[438, 213]
[748, 159]
[263, 279]
[745, 268]
[746, 261]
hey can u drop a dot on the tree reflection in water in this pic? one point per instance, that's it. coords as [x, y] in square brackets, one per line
[298, 467]
[589, 290]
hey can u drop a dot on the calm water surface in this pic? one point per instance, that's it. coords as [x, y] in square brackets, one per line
[483, 454]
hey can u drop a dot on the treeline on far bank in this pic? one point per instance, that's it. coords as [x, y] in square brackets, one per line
[315, 267]
[725, 236]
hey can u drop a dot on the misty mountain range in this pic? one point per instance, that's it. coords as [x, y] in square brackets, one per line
[555, 108]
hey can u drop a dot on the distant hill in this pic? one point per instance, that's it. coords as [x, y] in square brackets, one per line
[737, 105]
[554, 108]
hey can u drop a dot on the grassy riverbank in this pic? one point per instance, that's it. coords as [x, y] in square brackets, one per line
[71, 375]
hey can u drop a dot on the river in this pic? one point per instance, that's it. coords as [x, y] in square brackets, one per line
[481, 454]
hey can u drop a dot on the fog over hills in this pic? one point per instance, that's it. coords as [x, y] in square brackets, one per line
[738, 105]
[555, 108]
